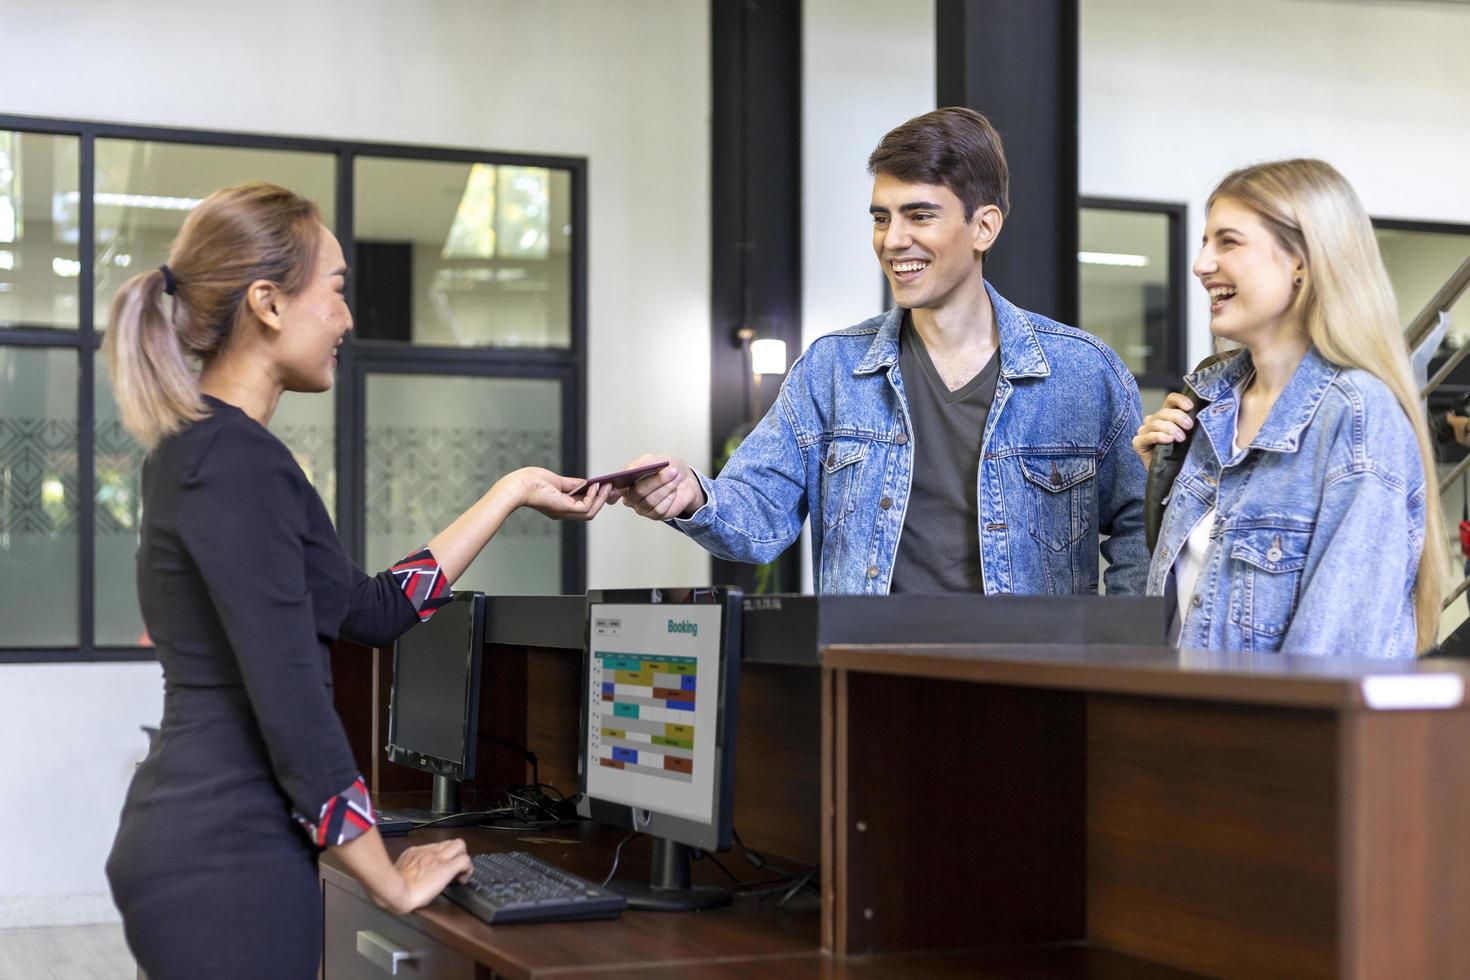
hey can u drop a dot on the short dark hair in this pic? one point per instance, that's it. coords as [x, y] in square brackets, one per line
[953, 146]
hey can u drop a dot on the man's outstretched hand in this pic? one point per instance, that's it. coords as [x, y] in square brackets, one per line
[673, 491]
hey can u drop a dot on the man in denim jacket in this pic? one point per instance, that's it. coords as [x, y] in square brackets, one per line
[954, 444]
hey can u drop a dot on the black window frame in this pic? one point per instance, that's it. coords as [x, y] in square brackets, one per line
[1178, 320]
[1453, 389]
[356, 359]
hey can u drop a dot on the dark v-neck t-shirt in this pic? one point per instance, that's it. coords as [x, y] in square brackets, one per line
[939, 549]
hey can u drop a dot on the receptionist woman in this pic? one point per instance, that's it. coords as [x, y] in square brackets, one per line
[243, 587]
[1306, 516]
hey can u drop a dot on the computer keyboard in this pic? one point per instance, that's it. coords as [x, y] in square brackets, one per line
[516, 887]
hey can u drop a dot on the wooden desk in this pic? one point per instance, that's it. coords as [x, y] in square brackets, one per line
[453, 943]
[1229, 815]
[752, 938]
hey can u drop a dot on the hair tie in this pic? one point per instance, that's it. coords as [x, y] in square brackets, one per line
[170, 284]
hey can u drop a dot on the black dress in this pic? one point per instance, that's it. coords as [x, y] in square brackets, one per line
[243, 587]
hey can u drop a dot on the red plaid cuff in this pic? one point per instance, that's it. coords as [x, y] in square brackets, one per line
[423, 581]
[345, 816]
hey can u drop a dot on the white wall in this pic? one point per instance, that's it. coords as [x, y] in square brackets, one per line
[71, 739]
[1175, 95]
[624, 83]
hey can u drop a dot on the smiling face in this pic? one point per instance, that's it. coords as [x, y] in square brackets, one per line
[314, 322]
[1250, 277]
[929, 252]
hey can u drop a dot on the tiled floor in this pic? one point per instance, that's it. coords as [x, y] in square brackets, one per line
[65, 953]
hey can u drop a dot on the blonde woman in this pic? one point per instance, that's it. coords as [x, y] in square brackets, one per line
[1306, 518]
[243, 587]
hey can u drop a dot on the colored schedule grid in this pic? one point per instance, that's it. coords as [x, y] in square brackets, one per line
[646, 721]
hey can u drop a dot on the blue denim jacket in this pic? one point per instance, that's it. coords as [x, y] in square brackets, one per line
[1319, 522]
[1056, 466]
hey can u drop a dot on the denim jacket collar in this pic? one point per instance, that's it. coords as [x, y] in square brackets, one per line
[1020, 352]
[1293, 410]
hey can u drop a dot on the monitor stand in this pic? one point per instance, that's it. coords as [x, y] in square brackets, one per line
[443, 808]
[668, 889]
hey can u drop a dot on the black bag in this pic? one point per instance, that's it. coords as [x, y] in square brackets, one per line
[1168, 460]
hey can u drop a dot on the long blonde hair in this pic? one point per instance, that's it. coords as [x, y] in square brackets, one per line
[234, 237]
[1348, 308]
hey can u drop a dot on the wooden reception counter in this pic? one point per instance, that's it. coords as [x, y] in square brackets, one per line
[1080, 808]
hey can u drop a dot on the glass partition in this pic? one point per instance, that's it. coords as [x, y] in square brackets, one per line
[1128, 286]
[1419, 260]
[462, 254]
[470, 268]
[38, 231]
[38, 497]
[144, 190]
[435, 444]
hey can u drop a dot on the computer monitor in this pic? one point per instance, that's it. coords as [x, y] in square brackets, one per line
[658, 729]
[433, 708]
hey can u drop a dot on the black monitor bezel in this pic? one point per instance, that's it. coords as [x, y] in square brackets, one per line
[460, 770]
[712, 836]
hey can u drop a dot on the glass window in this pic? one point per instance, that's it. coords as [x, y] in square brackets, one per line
[38, 231]
[307, 424]
[119, 486]
[435, 445]
[462, 254]
[1126, 291]
[38, 497]
[144, 190]
[1418, 263]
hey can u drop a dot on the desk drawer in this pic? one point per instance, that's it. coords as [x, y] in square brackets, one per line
[360, 940]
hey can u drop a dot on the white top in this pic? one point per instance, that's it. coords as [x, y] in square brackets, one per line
[1191, 560]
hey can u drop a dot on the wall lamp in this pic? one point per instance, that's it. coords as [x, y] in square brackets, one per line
[762, 356]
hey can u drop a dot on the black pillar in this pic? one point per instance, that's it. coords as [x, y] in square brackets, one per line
[755, 274]
[1016, 62]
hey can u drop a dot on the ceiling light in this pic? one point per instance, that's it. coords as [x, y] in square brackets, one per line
[152, 201]
[1112, 258]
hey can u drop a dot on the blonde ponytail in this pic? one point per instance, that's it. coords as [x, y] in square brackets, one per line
[156, 390]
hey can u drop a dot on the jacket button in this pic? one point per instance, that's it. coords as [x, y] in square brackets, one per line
[1195, 602]
[885, 503]
[872, 571]
[902, 438]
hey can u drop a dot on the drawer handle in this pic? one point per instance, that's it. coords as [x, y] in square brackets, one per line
[381, 952]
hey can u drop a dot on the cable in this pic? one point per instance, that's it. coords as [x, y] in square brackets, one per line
[753, 857]
[700, 854]
[617, 854]
[453, 816]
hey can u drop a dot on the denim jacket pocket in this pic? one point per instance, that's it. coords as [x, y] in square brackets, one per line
[840, 467]
[1061, 497]
[1266, 567]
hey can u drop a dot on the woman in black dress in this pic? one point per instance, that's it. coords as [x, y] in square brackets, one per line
[244, 587]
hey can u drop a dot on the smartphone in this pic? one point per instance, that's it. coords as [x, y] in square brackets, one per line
[622, 479]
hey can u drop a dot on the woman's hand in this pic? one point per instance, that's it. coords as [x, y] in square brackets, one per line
[1169, 424]
[426, 869]
[411, 883]
[550, 493]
